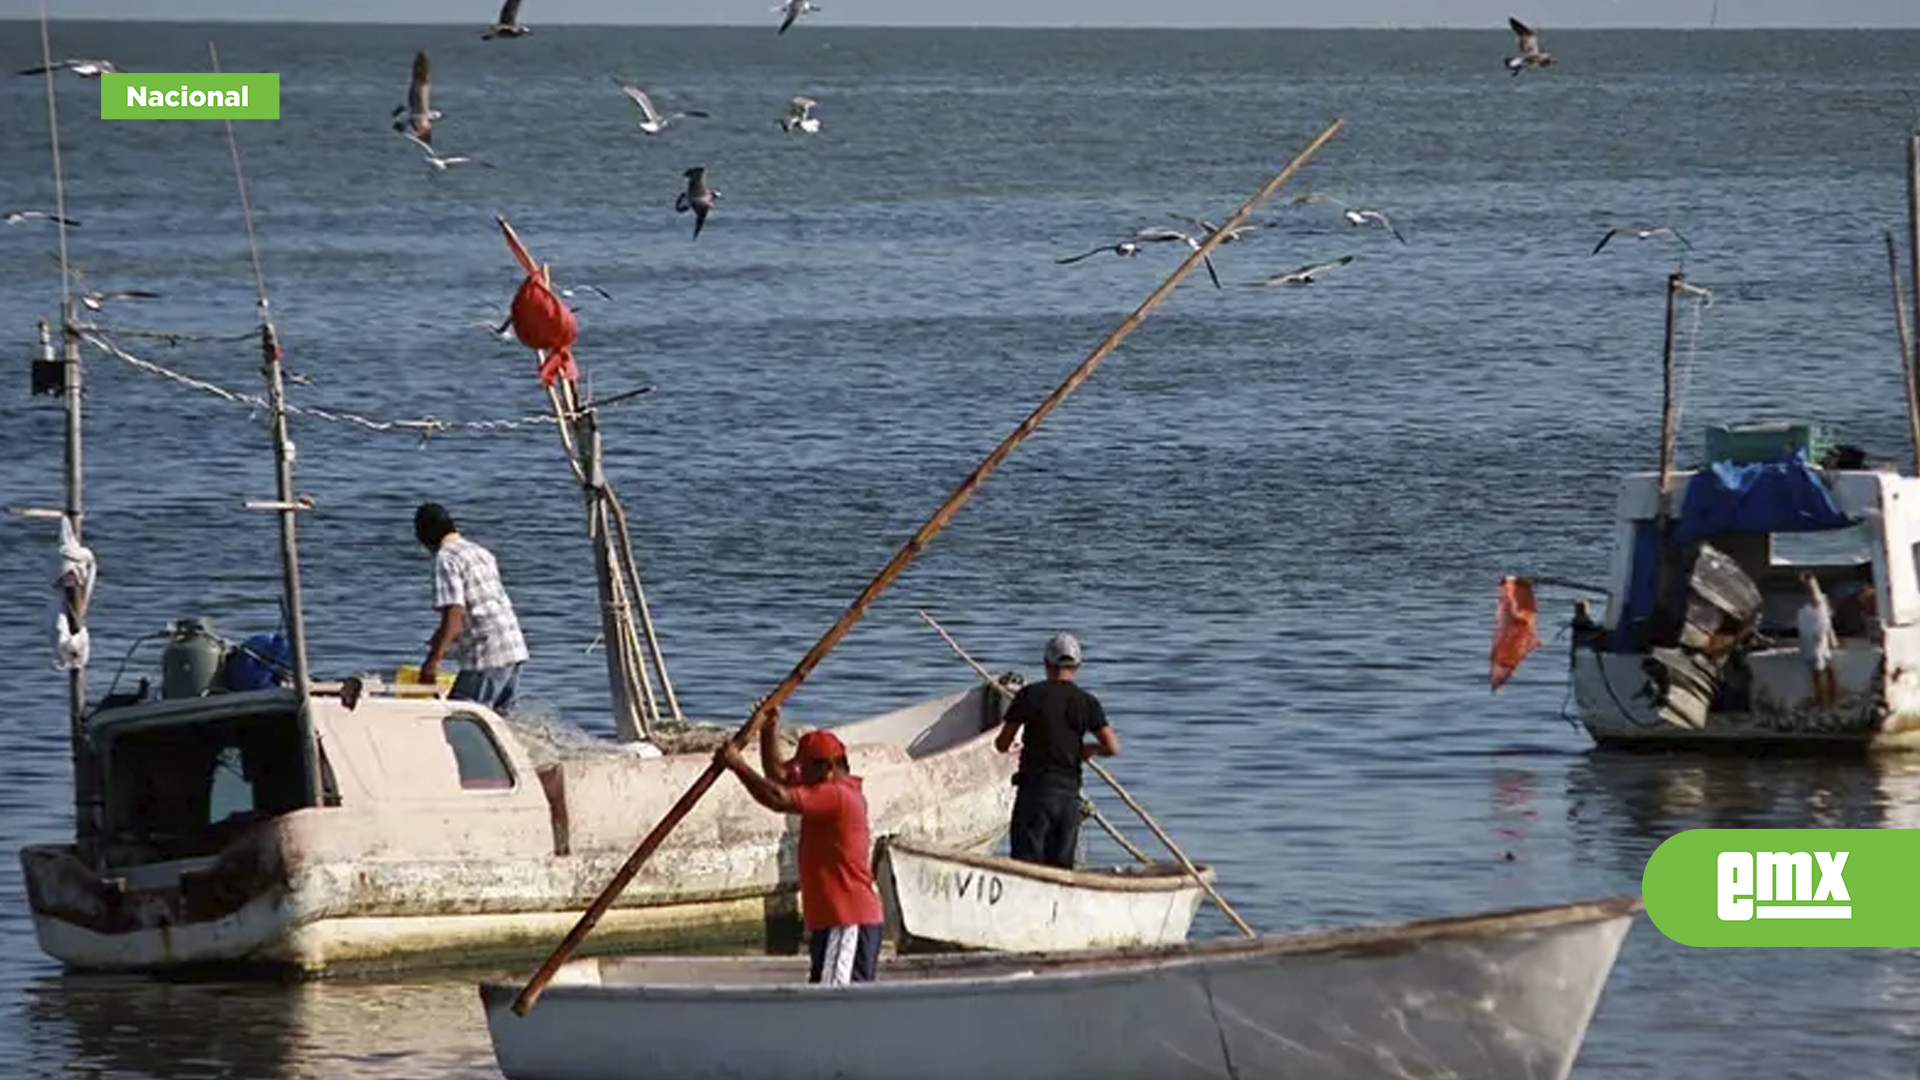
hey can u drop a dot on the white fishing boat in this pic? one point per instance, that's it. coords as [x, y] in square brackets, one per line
[939, 899]
[443, 832]
[1714, 657]
[1498, 996]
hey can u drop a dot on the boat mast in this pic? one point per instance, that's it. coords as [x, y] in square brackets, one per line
[285, 504]
[1675, 282]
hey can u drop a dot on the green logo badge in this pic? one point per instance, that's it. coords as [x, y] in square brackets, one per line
[192, 96]
[1795, 887]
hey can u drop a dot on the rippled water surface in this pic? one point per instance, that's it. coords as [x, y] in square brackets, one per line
[1274, 517]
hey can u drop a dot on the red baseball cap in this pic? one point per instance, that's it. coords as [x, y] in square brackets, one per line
[819, 746]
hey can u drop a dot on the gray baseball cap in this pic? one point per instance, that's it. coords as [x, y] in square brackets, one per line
[1063, 650]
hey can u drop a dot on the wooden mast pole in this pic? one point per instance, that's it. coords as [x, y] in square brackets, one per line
[917, 543]
[1909, 366]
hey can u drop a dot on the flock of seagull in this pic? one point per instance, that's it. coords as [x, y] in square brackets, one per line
[415, 119]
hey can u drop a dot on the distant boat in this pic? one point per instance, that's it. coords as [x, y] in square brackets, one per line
[937, 899]
[1497, 996]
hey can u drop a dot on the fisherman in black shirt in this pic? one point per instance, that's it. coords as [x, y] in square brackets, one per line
[1058, 717]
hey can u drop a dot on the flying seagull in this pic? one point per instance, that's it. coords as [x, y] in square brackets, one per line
[440, 164]
[15, 217]
[1208, 228]
[795, 9]
[93, 299]
[651, 121]
[419, 115]
[698, 198]
[508, 24]
[1305, 275]
[1355, 215]
[1161, 236]
[1530, 54]
[1642, 232]
[568, 291]
[86, 69]
[1124, 247]
[800, 115]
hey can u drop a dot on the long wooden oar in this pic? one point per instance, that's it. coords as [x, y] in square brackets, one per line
[916, 544]
[1185, 863]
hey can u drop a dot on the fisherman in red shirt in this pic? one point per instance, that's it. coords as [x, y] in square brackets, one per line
[837, 896]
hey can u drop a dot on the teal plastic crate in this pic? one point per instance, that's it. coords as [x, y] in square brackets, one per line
[1744, 443]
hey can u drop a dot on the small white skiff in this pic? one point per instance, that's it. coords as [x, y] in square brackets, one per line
[939, 898]
[1499, 996]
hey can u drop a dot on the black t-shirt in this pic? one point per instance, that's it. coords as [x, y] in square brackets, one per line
[1057, 716]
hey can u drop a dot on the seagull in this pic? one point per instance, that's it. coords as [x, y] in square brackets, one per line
[698, 198]
[800, 115]
[1642, 232]
[94, 299]
[1124, 247]
[568, 291]
[1361, 217]
[795, 9]
[508, 24]
[441, 164]
[504, 331]
[1355, 215]
[1208, 228]
[1305, 275]
[419, 116]
[86, 69]
[652, 122]
[15, 217]
[1530, 54]
[1160, 235]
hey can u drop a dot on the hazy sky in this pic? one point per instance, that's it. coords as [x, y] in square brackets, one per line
[1558, 14]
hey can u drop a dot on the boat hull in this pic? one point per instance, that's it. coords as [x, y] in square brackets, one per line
[938, 900]
[1497, 997]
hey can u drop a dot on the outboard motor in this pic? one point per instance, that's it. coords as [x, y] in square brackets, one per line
[190, 665]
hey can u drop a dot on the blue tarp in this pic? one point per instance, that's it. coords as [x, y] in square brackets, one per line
[1783, 496]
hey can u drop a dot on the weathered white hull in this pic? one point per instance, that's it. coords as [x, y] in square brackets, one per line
[1609, 691]
[1494, 997]
[935, 898]
[400, 876]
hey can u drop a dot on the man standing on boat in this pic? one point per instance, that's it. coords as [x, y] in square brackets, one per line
[837, 897]
[1817, 643]
[1059, 717]
[478, 628]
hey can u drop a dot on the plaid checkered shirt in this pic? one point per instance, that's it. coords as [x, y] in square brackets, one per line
[464, 573]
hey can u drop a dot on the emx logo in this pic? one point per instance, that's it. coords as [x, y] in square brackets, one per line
[1784, 887]
[1841, 888]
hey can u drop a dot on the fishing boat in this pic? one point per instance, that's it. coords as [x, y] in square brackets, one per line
[1701, 643]
[443, 832]
[1496, 996]
[937, 899]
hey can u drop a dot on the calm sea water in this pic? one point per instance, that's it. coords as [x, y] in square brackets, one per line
[1276, 518]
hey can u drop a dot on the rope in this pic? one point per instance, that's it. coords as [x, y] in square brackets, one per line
[423, 426]
[1701, 301]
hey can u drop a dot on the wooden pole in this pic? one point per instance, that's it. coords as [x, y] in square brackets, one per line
[1100, 771]
[1118, 838]
[1668, 416]
[286, 504]
[1909, 366]
[912, 548]
[1913, 240]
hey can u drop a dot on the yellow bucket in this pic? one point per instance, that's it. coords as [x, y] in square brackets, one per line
[406, 683]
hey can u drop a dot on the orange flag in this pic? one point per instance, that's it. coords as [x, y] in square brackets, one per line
[1513, 630]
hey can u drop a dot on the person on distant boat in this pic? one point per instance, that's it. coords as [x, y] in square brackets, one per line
[1058, 717]
[1817, 643]
[478, 628]
[838, 901]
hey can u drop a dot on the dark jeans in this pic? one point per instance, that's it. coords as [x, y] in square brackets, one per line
[1046, 822]
[844, 954]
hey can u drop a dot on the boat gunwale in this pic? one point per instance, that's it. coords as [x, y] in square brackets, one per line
[1159, 878]
[1011, 971]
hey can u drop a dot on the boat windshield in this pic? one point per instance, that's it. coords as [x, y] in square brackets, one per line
[185, 790]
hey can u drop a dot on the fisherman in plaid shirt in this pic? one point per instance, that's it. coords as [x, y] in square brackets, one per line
[478, 629]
